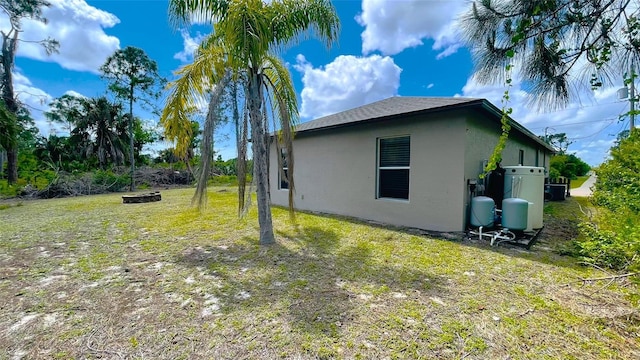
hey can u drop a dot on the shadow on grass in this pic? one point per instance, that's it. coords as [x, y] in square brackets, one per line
[552, 246]
[311, 277]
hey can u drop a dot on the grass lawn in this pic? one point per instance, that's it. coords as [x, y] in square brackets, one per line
[90, 277]
[579, 181]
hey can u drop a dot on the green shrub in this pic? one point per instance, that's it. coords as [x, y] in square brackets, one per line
[223, 180]
[110, 181]
[39, 179]
[7, 190]
[613, 239]
[35, 180]
[611, 248]
[569, 166]
[226, 180]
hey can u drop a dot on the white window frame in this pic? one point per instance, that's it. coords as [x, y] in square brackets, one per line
[378, 168]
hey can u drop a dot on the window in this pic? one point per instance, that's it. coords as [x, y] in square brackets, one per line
[521, 157]
[283, 174]
[393, 167]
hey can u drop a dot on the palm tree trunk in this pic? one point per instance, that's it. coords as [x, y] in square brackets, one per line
[132, 187]
[259, 149]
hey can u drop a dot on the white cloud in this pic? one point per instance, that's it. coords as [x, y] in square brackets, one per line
[75, 94]
[35, 100]
[190, 46]
[345, 83]
[592, 125]
[392, 26]
[595, 147]
[79, 27]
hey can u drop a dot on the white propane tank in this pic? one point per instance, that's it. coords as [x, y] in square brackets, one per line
[529, 218]
[515, 213]
[482, 211]
[526, 182]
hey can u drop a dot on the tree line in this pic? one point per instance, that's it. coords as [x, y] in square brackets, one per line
[563, 163]
[100, 134]
[97, 133]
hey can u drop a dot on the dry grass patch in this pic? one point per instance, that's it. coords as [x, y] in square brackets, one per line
[91, 277]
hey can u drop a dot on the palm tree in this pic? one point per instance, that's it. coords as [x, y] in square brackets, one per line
[53, 151]
[558, 47]
[104, 125]
[246, 35]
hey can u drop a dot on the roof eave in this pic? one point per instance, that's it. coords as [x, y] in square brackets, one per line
[475, 102]
[514, 124]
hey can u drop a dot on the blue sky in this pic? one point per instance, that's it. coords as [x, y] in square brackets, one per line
[386, 48]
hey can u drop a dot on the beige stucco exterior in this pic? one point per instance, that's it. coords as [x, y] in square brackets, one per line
[335, 169]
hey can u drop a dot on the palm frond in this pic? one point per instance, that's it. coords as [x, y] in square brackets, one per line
[279, 79]
[247, 30]
[206, 152]
[242, 165]
[295, 20]
[285, 105]
[241, 142]
[185, 12]
[187, 92]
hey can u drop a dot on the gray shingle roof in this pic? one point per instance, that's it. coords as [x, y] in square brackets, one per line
[385, 108]
[400, 105]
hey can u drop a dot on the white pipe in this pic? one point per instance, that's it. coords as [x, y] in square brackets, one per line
[501, 235]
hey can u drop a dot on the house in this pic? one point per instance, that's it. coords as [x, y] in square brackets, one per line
[404, 161]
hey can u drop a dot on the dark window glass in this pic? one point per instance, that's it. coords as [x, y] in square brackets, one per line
[284, 184]
[394, 151]
[393, 167]
[394, 184]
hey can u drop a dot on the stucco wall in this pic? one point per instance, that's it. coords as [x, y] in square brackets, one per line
[335, 172]
[482, 136]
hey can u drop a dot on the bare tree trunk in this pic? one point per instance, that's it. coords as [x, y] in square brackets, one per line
[12, 165]
[8, 56]
[3, 155]
[259, 148]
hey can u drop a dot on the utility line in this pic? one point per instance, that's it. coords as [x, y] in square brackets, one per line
[573, 123]
[624, 125]
[583, 107]
[611, 121]
[583, 122]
